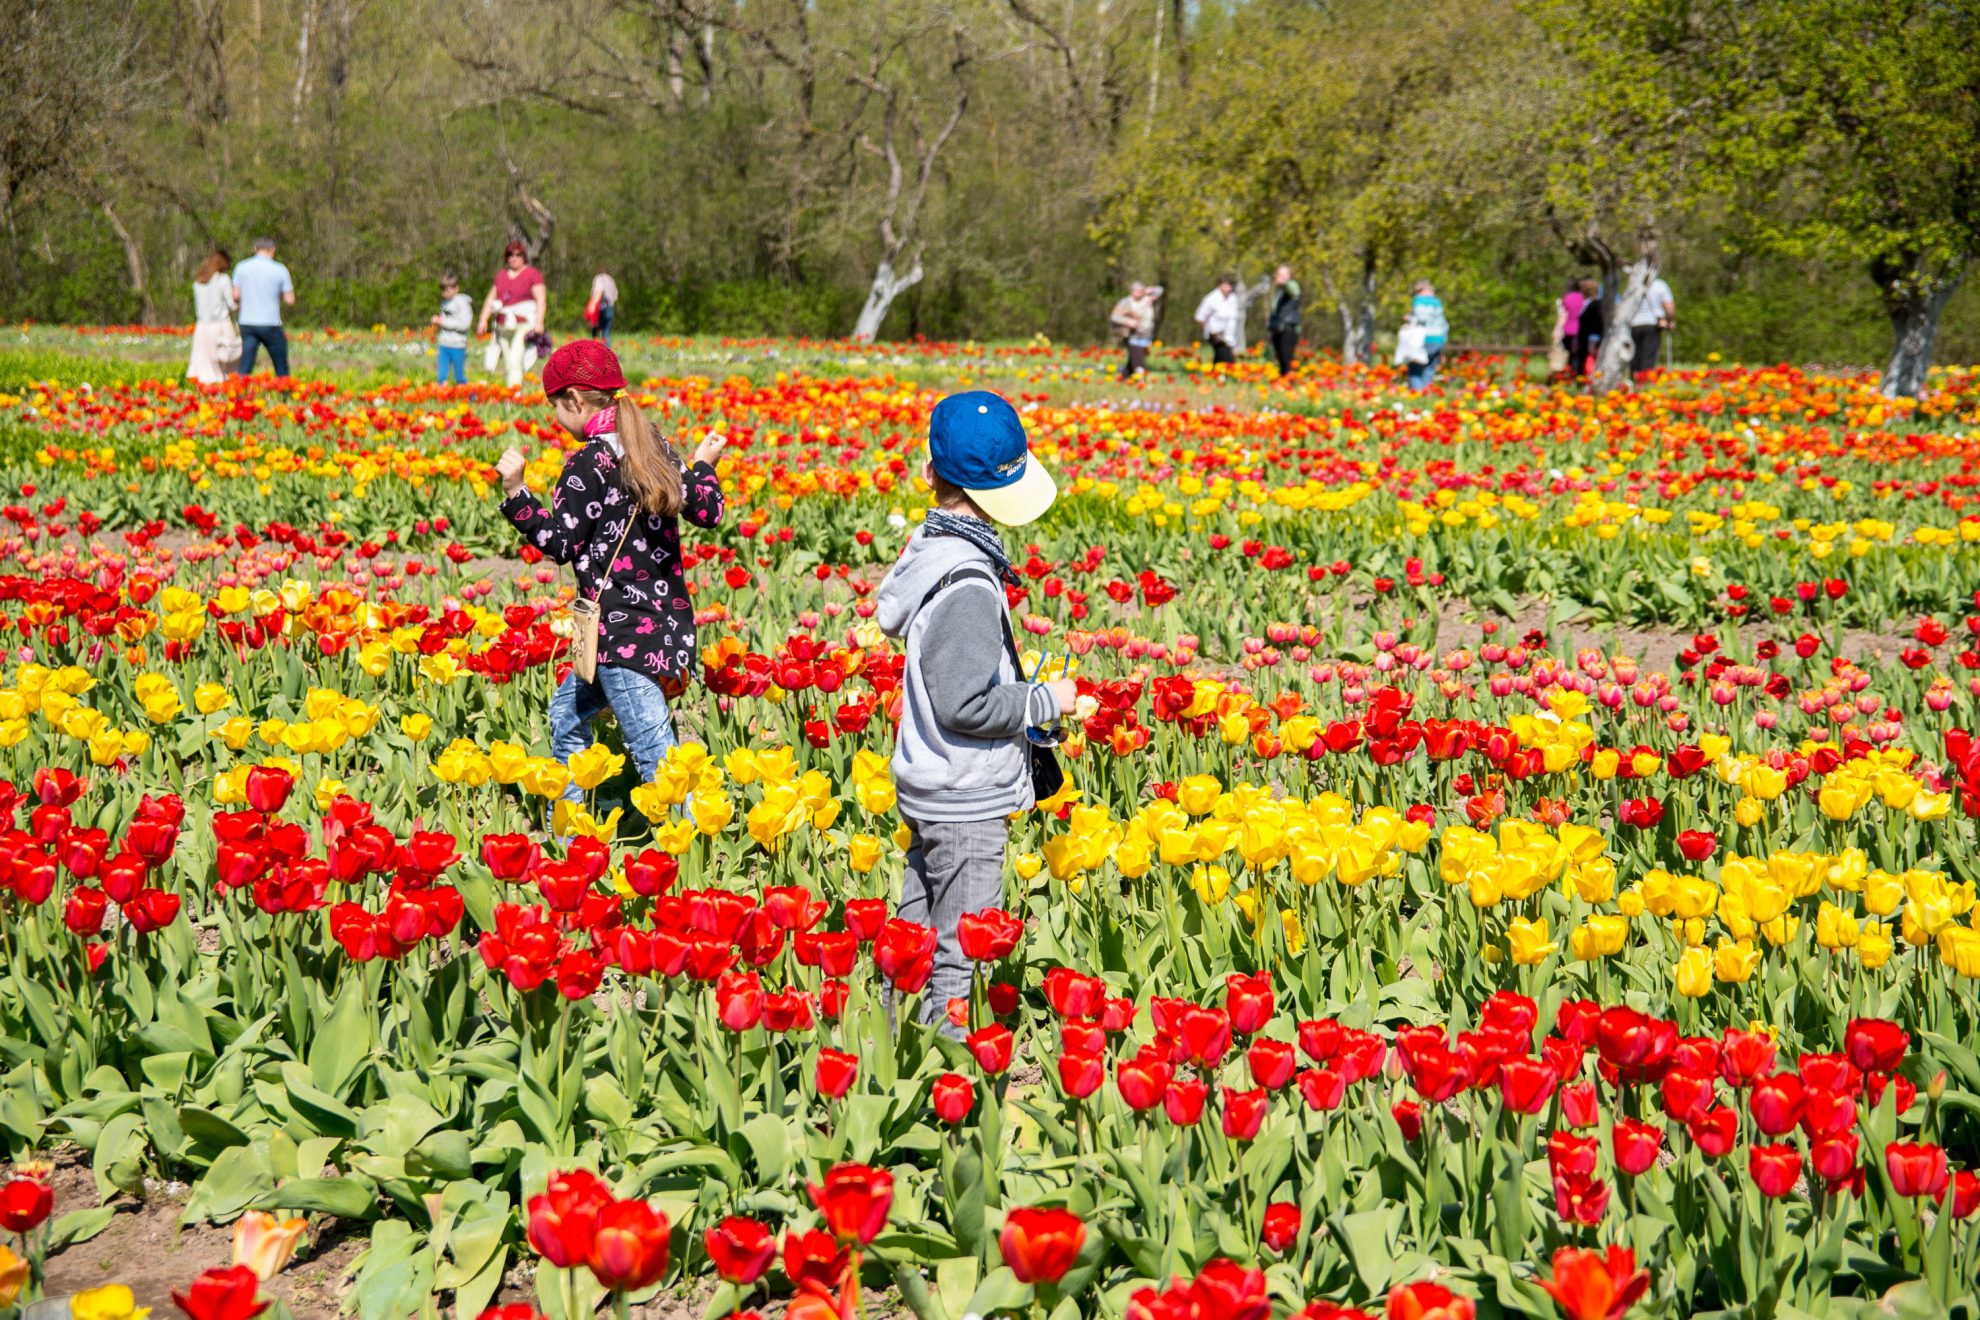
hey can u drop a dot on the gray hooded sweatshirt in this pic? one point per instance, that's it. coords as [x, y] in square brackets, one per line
[960, 754]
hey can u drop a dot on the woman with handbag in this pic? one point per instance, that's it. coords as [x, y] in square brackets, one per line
[216, 344]
[614, 518]
[517, 303]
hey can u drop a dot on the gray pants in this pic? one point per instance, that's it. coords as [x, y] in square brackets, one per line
[952, 868]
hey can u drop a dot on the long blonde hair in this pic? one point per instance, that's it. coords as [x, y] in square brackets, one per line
[652, 467]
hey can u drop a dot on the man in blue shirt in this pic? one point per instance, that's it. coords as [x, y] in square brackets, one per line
[262, 287]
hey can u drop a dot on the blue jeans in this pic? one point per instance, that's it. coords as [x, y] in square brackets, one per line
[253, 337]
[1422, 373]
[638, 702]
[605, 311]
[452, 360]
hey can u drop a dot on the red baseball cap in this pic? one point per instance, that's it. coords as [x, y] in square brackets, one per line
[583, 363]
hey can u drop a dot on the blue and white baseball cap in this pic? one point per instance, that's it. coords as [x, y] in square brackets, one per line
[976, 441]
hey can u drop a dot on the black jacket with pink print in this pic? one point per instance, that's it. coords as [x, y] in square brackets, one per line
[646, 617]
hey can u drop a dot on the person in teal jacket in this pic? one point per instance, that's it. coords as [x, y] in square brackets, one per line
[1427, 310]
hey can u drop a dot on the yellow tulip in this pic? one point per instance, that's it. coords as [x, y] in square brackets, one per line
[1733, 961]
[1836, 928]
[1198, 794]
[713, 811]
[1874, 945]
[111, 1302]
[1211, 883]
[594, 765]
[1528, 941]
[1748, 811]
[1959, 949]
[903, 836]
[13, 1276]
[1605, 763]
[1601, 936]
[416, 726]
[545, 777]
[862, 853]
[1693, 973]
[1882, 892]
[1294, 932]
[1027, 865]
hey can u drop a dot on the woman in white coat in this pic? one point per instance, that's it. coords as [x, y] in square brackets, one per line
[216, 344]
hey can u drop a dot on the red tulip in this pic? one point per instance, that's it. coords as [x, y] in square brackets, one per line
[988, 935]
[1427, 1301]
[509, 856]
[1746, 1056]
[1073, 994]
[1040, 1245]
[1775, 1101]
[562, 1220]
[1874, 1045]
[740, 1249]
[1437, 1073]
[152, 909]
[84, 912]
[739, 1000]
[1271, 1063]
[1320, 1039]
[1205, 1035]
[1916, 1168]
[1526, 1085]
[866, 917]
[1570, 1153]
[1687, 1095]
[1581, 1105]
[1183, 1101]
[1826, 1113]
[1248, 1001]
[855, 1200]
[1280, 1229]
[1409, 1118]
[953, 1096]
[629, 1246]
[1774, 1168]
[1635, 1145]
[1834, 1158]
[1580, 1199]
[1081, 1073]
[1965, 1194]
[1142, 1083]
[991, 1046]
[222, 1294]
[1714, 1130]
[267, 788]
[1323, 1088]
[1593, 1285]
[1228, 1291]
[24, 1204]
[835, 1072]
[1244, 1113]
[813, 1259]
[905, 954]
[1697, 845]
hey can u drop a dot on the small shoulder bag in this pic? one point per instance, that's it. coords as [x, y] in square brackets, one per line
[585, 613]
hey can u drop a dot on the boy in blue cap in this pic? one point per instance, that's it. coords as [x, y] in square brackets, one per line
[962, 764]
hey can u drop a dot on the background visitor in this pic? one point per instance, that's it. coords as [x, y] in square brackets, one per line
[1220, 315]
[517, 302]
[1646, 329]
[1426, 311]
[262, 288]
[1283, 323]
[599, 309]
[452, 321]
[216, 345]
[1133, 319]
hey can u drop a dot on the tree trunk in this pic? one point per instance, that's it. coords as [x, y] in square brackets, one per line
[1914, 298]
[1357, 323]
[1247, 294]
[887, 286]
[1618, 345]
[133, 264]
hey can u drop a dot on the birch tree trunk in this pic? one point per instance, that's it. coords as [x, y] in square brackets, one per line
[1914, 297]
[887, 286]
[133, 263]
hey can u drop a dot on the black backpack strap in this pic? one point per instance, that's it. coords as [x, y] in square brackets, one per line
[955, 575]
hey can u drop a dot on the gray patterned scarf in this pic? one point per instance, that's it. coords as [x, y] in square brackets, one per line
[978, 533]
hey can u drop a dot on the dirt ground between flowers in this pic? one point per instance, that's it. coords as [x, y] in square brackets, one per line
[145, 1249]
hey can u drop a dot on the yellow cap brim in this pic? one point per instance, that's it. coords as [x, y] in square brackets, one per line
[1024, 500]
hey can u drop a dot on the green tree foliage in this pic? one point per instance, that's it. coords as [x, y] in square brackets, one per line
[1844, 131]
[727, 159]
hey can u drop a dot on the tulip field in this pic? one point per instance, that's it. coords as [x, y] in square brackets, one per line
[1518, 855]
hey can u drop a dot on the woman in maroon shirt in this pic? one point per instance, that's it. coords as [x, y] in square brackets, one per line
[518, 301]
[615, 519]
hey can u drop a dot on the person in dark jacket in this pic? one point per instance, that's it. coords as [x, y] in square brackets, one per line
[1283, 324]
[1588, 328]
[614, 517]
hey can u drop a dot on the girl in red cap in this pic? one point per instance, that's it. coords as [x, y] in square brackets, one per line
[614, 518]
